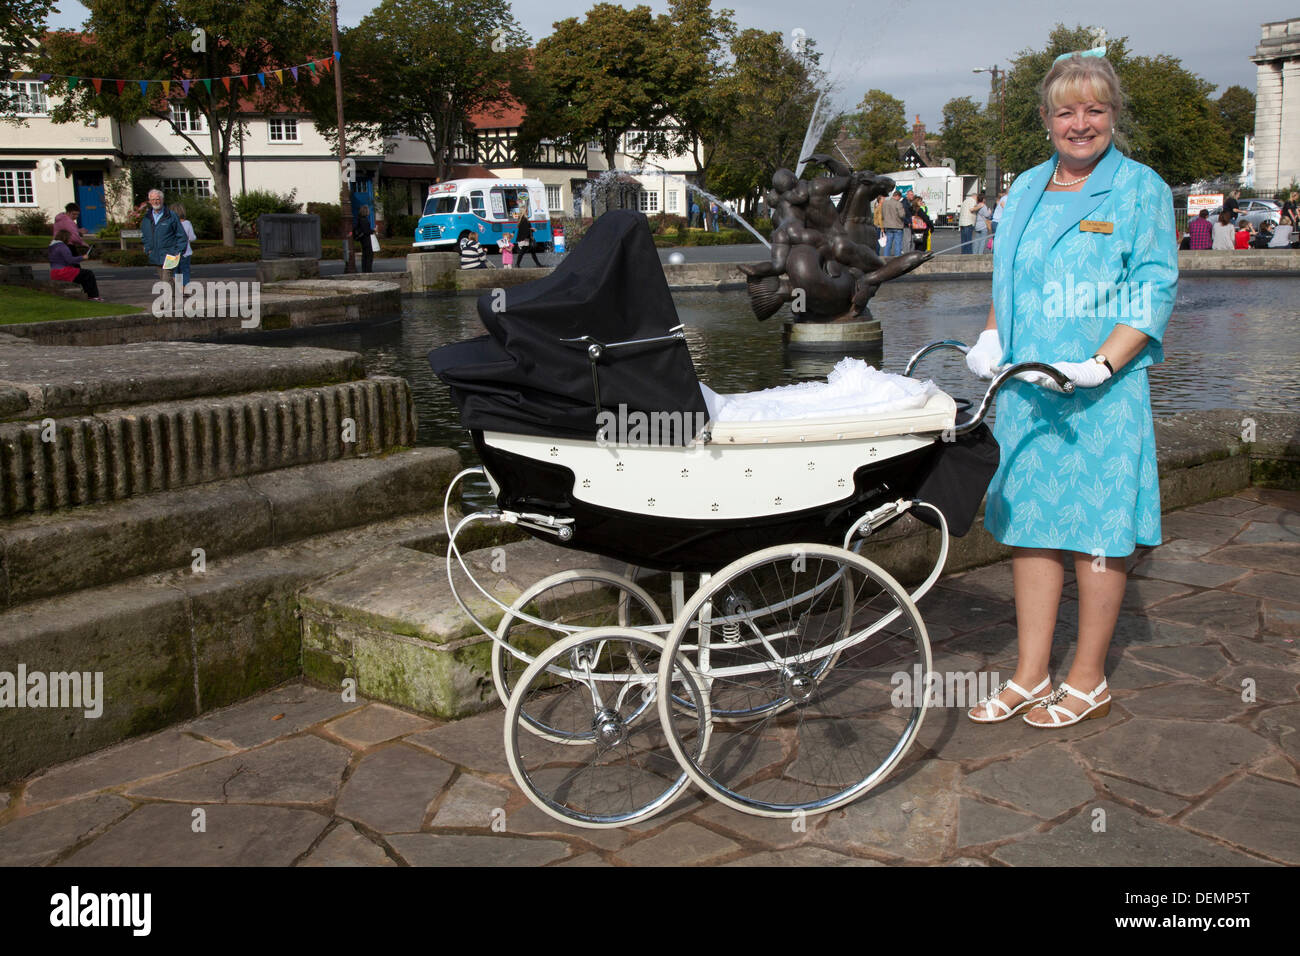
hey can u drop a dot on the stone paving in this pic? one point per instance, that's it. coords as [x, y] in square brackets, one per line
[1197, 764]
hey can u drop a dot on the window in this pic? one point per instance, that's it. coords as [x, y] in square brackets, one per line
[476, 201]
[188, 119]
[186, 187]
[463, 205]
[674, 201]
[648, 201]
[25, 97]
[16, 188]
[554, 198]
[439, 205]
[283, 130]
[634, 142]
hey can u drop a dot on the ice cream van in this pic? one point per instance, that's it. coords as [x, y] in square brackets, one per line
[483, 206]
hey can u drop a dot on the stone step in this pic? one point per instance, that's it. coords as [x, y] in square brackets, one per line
[141, 449]
[176, 644]
[49, 554]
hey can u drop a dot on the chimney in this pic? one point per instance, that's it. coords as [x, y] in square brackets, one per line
[918, 135]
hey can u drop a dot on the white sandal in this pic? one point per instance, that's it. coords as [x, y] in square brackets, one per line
[1032, 697]
[1063, 716]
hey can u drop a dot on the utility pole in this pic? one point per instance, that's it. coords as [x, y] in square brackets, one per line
[993, 163]
[345, 184]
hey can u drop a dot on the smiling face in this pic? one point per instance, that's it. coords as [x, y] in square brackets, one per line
[155, 199]
[1081, 130]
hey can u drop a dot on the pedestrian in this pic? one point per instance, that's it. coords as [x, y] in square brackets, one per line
[524, 236]
[891, 215]
[922, 225]
[695, 212]
[363, 234]
[1224, 236]
[997, 213]
[506, 246]
[188, 258]
[983, 218]
[65, 265]
[472, 255]
[1290, 214]
[67, 220]
[1232, 204]
[1077, 478]
[713, 217]
[966, 223]
[162, 235]
[1200, 231]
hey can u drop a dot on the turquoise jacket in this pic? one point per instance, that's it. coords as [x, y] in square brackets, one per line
[165, 238]
[1094, 275]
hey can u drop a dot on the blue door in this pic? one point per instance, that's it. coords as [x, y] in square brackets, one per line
[89, 187]
[363, 194]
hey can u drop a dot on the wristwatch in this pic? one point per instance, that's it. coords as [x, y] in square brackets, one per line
[1101, 359]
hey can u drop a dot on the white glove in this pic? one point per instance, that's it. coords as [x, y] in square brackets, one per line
[1087, 374]
[985, 355]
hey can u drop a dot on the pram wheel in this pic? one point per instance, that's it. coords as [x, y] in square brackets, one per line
[810, 638]
[571, 601]
[605, 760]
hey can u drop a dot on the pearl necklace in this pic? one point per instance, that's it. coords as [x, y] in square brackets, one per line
[1073, 182]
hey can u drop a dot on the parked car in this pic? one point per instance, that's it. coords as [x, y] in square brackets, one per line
[1253, 211]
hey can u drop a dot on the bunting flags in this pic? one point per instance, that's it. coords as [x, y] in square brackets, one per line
[313, 66]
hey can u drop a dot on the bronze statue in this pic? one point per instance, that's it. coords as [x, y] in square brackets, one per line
[826, 253]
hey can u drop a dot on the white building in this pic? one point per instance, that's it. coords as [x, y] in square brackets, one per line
[1277, 105]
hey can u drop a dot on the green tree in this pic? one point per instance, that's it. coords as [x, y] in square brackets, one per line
[178, 39]
[699, 106]
[22, 23]
[964, 134]
[878, 125]
[770, 92]
[422, 68]
[1168, 121]
[598, 78]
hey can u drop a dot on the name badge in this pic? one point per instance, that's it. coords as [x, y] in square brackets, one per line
[1092, 225]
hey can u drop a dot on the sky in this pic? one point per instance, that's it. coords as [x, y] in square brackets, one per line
[923, 51]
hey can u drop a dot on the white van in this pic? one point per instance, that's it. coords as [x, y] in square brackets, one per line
[484, 207]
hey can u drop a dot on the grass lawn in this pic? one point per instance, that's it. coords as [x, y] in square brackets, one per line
[19, 304]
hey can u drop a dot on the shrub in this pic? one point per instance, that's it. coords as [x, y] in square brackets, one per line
[664, 223]
[262, 202]
[123, 257]
[209, 254]
[32, 222]
[331, 217]
[110, 230]
[402, 227]
[204, 214]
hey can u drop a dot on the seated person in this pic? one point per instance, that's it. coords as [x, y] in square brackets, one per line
[65, 265]
[472, 255]
[1281, 237]
[1241, 240]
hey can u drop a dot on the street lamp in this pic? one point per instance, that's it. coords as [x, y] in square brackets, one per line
[993, 167]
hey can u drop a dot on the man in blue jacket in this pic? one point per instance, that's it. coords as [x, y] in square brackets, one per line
[162, 234]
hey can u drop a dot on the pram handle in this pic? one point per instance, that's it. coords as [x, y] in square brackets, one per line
[1056, 375]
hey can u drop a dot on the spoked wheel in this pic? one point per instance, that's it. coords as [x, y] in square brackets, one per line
[606, 760]
[811, 639]
[572, 600]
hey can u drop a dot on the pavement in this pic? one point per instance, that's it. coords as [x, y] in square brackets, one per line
[1197, 764]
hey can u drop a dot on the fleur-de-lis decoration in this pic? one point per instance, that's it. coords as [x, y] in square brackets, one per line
[619, 466]
[555, 452]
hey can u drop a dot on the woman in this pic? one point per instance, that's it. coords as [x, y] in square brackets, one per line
[362, 232]
[1225, 232]
[524, 237]
[183, 270]
[65, 266]
[1078, 471]
[922, 225]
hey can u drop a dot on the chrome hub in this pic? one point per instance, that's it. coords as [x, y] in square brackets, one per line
[798, 686]
[609, 728]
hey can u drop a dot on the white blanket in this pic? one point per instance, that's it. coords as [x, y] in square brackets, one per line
[853, 388]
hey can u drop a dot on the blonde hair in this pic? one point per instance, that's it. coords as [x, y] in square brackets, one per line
[1068, 79]
[179, 209]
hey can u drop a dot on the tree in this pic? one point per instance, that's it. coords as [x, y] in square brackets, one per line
[1167, 122]
[770, 92]
[697, 103]
[422, 68]
[878, 125]
[175, 40]
[965, 133]
[603, 76]
[22, 23]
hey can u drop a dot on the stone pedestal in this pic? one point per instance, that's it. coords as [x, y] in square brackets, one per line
[433, 271]
[831, 336]
[284, 270]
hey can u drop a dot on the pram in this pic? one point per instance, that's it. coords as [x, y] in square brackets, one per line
[773, 686]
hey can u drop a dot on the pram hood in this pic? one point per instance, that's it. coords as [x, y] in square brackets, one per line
[523, 378]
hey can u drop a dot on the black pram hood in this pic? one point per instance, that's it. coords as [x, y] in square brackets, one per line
[523, 378]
